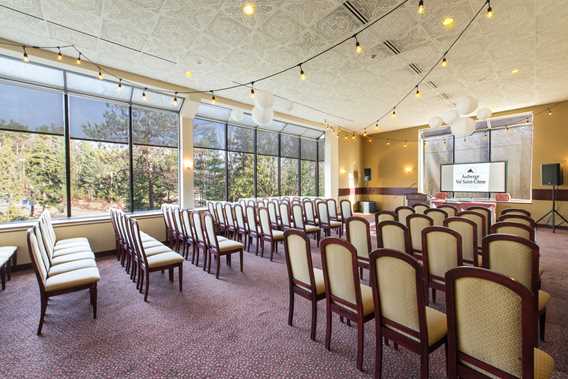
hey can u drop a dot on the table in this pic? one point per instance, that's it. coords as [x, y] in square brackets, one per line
[464, 204]
[7, 261]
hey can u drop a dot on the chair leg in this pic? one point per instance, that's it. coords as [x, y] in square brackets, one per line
[360, 344]
[180, 276]
[93, 293]
[328, 328]
[434, 295]
[291, 307]
[272, 245]
[424, 365]
[3, 277]
[314, 319]
[209, 257]
[542, 324]
[42, 314]
[147, 286]
[141, 276]
[218, 259]
[379, 355]
[241, 259]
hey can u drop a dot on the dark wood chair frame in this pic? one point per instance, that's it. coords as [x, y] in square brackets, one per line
[275, 206]
[309, 203]
[214, 250]
[528, 318]
[494, 228]
[253, 233]
[337, 305]
[420, 205]
[343, 215]
[390, 213]
[242, 230]
[402, 207]
[535, 275]
[516, 210]
[326, 226]
[221, 218]
[448, 206]
[449, 220]
[288, 214]
[509, 218]
[362, 262]
[179, 235]
[188, 236]
[304, 223]
[267, 235]
[305, 290]
[484, 225]
[382, 324]
[44, 296]
[230, 228]
[407, 241]
[417, 252]
[200, 244]
[486, 212]
[435, 210]
[433, 281]
[335, 216]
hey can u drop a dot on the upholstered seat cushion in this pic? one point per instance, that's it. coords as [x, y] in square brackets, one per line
[319, 281]
[367, 299]
[78, 240]
[58, 252]
[71, 266]
[6, 252]
[335, 224]
[148, 244]
[145, 237]
[437, 325]
[229, 245]
[151, 251]
[543, 364]
[277, 235]
[72, 279]
[164, 259]
[312, 228]
[543, 299]
[72, 257]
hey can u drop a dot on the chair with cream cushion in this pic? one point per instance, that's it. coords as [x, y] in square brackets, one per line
[8, 256]
[53, 283]
[274, 214]
[402, 213]
[310, 212]
[230, 221]
[345, 295]
[467, 229]
[520, 219]
[437, 215]
[359, 235]
[490, 327]
[220, 247]
[442, 248]
[514, 228]
[480, 222]
[188, 235]
[346, 209]
[332, 210]
[517, 258]
[485, 212]
[268, 234]
[304, 279]
[450, 210]
[516, 211]
[401, 311]
[220, 217]
[199, 237]
[253, 228]
[420, 208]
[393, 235]
[300, 222]
[285, 218]
[326, 222]
[416, 223]
[384, 216]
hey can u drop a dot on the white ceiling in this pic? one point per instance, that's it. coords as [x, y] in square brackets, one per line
[221, 45]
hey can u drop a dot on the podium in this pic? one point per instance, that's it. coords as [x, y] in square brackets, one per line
[416, 198]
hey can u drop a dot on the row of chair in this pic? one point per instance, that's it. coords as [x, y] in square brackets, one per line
[488, 328]
[61, 266]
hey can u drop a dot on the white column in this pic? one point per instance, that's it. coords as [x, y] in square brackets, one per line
[188, 112]
[331, 166]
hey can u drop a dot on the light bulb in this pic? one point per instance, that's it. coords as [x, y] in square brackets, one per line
[175, 100]
[119, 87]
[358, 48]
[448, 22]
[302, 74]
[549, 112]
[144, 97]
[393, 114]
[377, 125]
[421, 9]
[26, 58]
[405, 144]
[364, 133]
[213, 98]
[252, 91]
[100, 75]
[388, 142]
[418, 93]
[59, 55]
[78, 60]
[188, 74]
[353, 136]
[249, 8]
[444, 62]
[489, 13]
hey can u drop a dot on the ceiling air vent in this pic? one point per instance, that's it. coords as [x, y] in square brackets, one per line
[355, 12]
[391, 47]
[415, 68]
[431, 84]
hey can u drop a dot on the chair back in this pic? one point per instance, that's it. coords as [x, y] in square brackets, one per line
[220, 212]
[399, 292]
[346, 210]
[484, 211]
[514, 257]
[185, 216]
[309, 212]
[298, 215]
[240, 217]
[273, 212]
[514, 228]
[212, 210]
[136, 240]
[340, 272]
[210, 231]
[437, 215]
[197, 227]
[518, 219]
[442, 251]
[38, 257]
[229, 214]
[402, 213]
[480, 222]
[359, 235]
[516, 211]
[467, 230]
[449, 209]
[251, 219]
[420, 208]
[264, 219]
[416, 223]
[491, 322]
[285, 214]
[331, 209]
[393, 235]
[323, 212]
[299, 259]
[384, 216]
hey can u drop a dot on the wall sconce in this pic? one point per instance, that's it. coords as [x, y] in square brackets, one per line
[342, 171]
[408, 169]
[188, 164]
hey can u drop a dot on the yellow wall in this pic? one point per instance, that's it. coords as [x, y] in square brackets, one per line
[350, 164]
[388, 163]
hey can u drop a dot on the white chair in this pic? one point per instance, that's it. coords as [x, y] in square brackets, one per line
[359, 235]
[220, 247]
[268, 234]
[467, 230]
[402, 213]
[393, 235]
[437, 215]
[416, 223]
[301, 224]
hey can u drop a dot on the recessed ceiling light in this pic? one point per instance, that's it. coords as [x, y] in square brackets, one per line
[448, 22]
[249, 8]
[188, 74]
[515, 71]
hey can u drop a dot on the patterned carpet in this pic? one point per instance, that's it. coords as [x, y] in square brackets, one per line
[232, 327]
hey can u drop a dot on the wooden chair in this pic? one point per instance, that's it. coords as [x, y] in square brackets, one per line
[516, 211]
[285, 218]
[402, 213]
[332, 210]
[393, 235]
[212, 210]
[450, 210]
[344, 293]
[517, 258]
[268, 234]
[359, 235]
[416, 223]
[420, 208]
[242, 229]
[253, 229]
[188, 236]
[230, 222]
[303, 278]
[437, 215]
[273, 214]
[301, 224]
[346, 210]
[514, 228]
[220, 218]
[310, 214]
[326, 222]
[401, 311]
[199, 238]
[384, 216]
[220, 247]
[480, 222]
[442, 252]
[486, 212]
[518, 219]
[467, 230]
[490, 327]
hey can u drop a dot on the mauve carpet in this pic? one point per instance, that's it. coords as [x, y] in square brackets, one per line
[233, 327]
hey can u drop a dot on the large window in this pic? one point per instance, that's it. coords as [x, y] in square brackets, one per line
[309, 167]
[105, 131]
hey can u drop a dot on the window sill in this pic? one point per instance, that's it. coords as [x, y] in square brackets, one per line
[74, 221]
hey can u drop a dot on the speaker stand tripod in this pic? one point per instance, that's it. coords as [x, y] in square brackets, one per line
[551, 214]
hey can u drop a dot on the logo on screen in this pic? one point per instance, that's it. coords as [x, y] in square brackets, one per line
[471, 178]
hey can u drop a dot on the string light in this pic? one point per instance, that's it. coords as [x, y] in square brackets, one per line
[144, 97]
[388, 142]
[444, 62]
[489, 13]
[405, 144]
[302, 73]
[393, 114]
[377, 125]
[353, 136]
[119, 87]
[100, 76]
[549, 112]
[213, 98]
[175, 100]
[418, 93]
[26, 58]
[365, 133]
[59, 55]
[421, 9]
[249, 8]
[252, 90]
[78, 60]
[358, 48]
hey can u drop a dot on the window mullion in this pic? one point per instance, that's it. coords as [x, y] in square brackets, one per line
[67, 136]
[130, 161]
